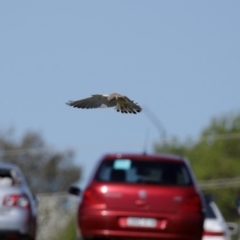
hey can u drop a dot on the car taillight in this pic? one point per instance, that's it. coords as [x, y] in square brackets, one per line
[210, 233]
[192, 203]
[16, 200]
[93, 198]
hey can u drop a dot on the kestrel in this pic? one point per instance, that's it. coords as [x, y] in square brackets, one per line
[121, 103]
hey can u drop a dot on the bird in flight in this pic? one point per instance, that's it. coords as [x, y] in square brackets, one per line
[121, 103]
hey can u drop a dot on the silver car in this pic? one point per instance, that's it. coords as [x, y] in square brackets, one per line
[18, 210]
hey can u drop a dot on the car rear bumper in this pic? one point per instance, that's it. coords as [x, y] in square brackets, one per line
[110, 224]
[16, 221]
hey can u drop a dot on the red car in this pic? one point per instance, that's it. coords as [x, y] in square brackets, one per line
[140, 196]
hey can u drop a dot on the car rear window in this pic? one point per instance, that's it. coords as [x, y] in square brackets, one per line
[144, 172]
[209, 213]
[8, 177]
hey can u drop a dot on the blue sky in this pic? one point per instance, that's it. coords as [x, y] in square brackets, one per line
[180, 59]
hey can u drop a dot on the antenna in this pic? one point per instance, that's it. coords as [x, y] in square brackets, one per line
[155, 121]
[146, 141]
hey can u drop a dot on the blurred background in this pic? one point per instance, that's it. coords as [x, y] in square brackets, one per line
[179, 60]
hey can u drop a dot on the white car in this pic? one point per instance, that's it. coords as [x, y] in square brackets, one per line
[18, 210]
[215, 227]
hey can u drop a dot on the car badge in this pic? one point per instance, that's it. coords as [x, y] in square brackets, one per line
[142, 194]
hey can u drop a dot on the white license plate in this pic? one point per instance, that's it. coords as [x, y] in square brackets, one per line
[141, 222]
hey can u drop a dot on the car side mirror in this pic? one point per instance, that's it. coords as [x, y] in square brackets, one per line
[232, 227]
[74, 190]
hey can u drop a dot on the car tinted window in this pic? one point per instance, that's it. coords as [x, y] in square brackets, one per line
[5, 178]
[147, 172]
[209, 211]
[8, 177]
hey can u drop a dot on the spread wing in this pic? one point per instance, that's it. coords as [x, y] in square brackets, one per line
[95, 101]
[125, 105]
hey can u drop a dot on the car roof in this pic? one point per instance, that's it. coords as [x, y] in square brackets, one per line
[144, 156]
[5, 165]
[8, 165]
[11, 166]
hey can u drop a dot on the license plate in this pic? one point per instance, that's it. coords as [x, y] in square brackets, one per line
[141, 222]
